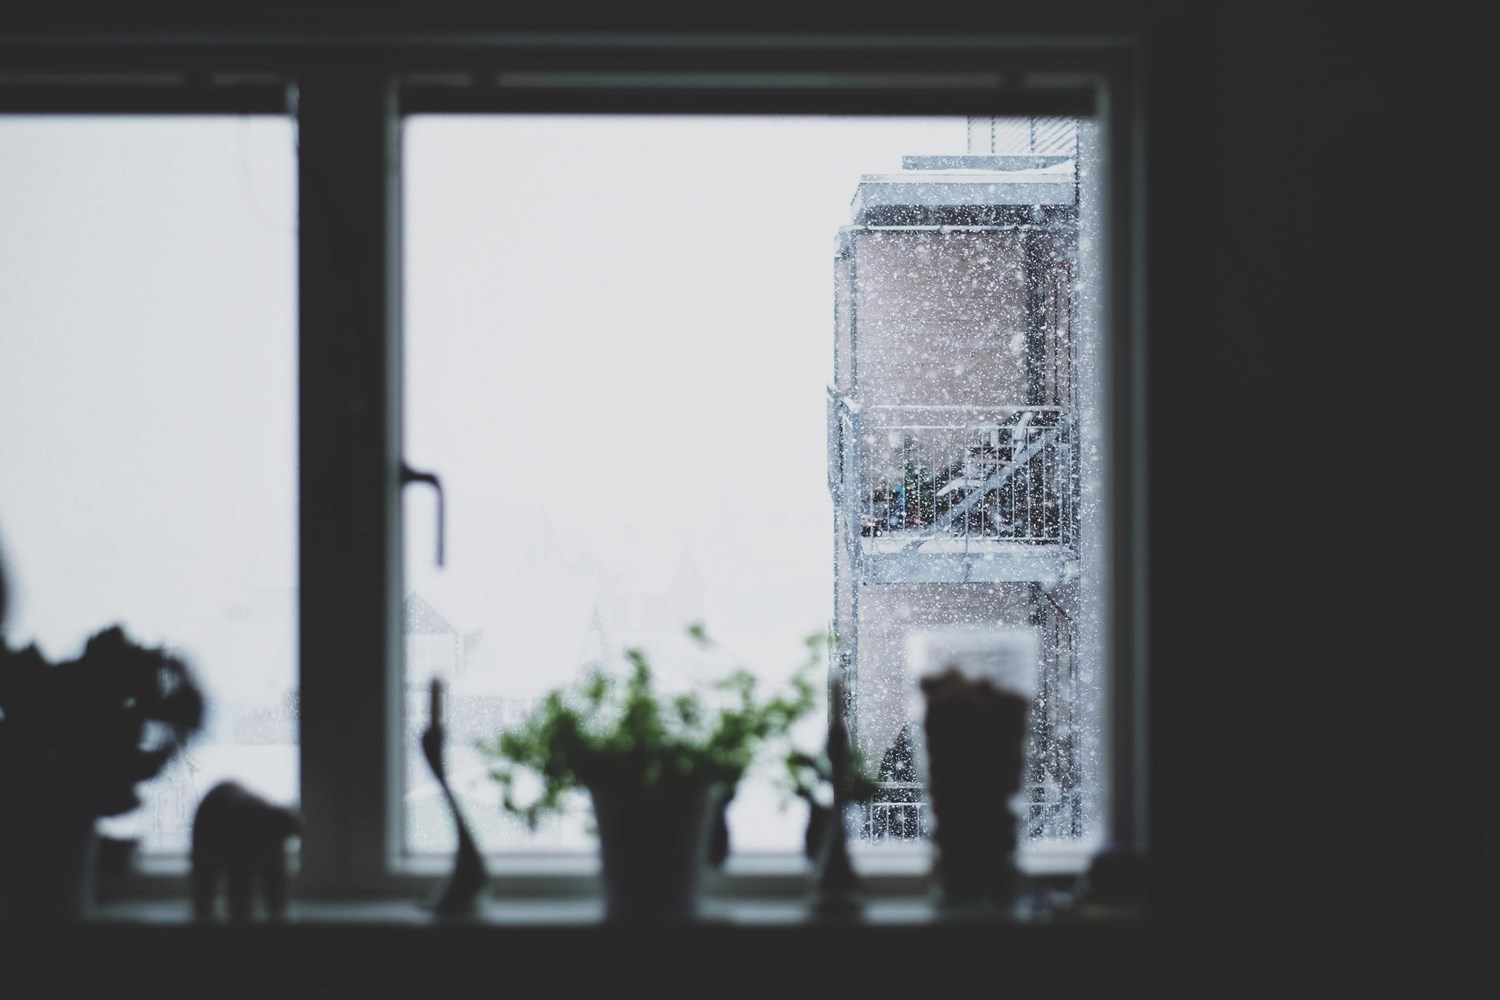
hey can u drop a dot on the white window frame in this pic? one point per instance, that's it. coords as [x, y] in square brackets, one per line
[348, 96]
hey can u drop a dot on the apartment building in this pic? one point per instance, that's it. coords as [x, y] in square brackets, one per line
[958, 420]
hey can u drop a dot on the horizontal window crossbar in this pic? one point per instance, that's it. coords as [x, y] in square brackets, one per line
[143, 93]
[437, 50]
[577, 93]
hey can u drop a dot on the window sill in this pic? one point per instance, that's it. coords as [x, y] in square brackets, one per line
[390, 944]
[394, 947]
[897, 873]
[588, 910]
[566, 891]
[1037, 908]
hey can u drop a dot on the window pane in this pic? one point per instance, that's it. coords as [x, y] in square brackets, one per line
[964, 454]
[147, 420]
[621, 334]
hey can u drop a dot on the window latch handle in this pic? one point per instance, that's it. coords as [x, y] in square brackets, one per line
[409, 476]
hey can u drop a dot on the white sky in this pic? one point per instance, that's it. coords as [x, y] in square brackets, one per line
[618, 336]
[587, 297]
[147, 429]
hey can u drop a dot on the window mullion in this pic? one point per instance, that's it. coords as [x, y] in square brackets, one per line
[349, 315]
[1123, 400]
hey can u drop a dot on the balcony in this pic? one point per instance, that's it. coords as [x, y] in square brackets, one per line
[954, 494]
[900, 812]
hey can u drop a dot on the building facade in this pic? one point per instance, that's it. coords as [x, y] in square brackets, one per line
[957, 421]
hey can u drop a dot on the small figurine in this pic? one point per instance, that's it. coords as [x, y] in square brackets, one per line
[459, 896]
[836, 885]
[240, 839]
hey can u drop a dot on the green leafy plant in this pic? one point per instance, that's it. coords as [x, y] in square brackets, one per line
[606, 731]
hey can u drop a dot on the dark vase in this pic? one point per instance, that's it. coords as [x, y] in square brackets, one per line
[47, 870]
[653, 848]
[976, 735]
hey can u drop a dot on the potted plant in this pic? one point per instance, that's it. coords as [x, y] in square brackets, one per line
[76, 738]
[831, 782]
[810, 776]
[657, 768]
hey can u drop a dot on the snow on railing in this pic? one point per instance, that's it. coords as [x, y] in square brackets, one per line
[900, 812]
[919, 473]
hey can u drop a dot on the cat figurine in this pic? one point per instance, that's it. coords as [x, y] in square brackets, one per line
[240, 843]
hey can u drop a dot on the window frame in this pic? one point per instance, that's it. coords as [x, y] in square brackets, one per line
[348, 96]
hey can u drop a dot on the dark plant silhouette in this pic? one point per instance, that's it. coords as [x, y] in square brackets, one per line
[78, 736]
[811, 778]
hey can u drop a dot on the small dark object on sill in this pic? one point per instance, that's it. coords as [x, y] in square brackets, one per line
[239, 843]
[116, 856]
[459, 896]
[76, 739]
[976, 735]
[837, 888]
[1114, 884]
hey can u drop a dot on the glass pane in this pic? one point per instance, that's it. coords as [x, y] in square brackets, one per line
[630, 344]
[148, 421]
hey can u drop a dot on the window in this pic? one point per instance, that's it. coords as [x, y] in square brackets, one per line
[619, 362]
[616, 350]
[148, 421]
[355, 429]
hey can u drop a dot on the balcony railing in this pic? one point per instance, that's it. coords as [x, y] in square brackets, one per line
[900, 812]
[975, 482]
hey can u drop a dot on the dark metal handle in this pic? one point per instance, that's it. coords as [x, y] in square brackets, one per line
[409, 476]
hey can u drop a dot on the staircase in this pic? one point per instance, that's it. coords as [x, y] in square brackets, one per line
[948, 494]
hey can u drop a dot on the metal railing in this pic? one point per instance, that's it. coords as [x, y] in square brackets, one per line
[898, 812]
[953, 476]
[901, 812]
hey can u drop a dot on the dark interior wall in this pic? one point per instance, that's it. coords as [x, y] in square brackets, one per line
[1345, 646]
[1322, 702]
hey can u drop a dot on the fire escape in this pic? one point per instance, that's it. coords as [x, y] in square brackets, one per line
[953, 439]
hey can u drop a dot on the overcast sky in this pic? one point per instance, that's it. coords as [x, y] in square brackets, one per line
[618, 336]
